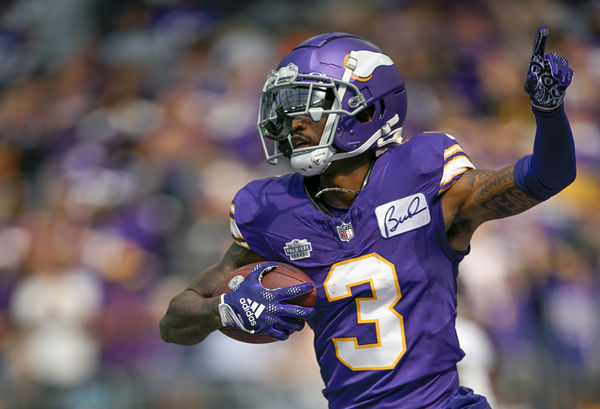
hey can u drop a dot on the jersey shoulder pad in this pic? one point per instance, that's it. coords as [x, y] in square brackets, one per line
[432, 150]
[253, 205]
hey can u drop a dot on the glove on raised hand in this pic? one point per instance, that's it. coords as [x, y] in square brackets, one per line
[254, 309]
[548, 75]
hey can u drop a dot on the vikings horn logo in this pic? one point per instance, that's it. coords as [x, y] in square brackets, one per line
[367, 61]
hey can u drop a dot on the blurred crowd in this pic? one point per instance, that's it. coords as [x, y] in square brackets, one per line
[126, 127]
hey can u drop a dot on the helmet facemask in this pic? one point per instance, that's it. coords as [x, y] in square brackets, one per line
[288, 94]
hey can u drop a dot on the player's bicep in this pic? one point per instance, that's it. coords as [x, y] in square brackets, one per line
[235, 257]
[482, 195]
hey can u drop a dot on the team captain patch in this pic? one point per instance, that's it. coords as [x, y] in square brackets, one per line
[297, 249]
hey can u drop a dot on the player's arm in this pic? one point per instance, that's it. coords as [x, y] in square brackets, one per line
[478, 196]
[194, 313]
[481, 195]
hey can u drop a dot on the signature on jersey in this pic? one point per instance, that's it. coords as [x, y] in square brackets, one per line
[392, 221]
[402, 215]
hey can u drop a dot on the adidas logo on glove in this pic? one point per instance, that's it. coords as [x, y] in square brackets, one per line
[252, 309]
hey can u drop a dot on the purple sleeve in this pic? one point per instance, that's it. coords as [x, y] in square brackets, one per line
[552, 167]
[251, 214]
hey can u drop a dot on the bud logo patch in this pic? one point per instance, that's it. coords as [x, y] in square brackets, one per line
[402, 215]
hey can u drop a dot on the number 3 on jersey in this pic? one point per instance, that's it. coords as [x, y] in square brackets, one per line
[379, 309]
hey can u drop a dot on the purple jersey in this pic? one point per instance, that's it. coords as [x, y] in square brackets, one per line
[384, 272]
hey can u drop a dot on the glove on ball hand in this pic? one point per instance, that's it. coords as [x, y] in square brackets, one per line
[254, 309]
[548, 76]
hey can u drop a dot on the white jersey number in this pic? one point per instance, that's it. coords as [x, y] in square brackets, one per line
[378, 309]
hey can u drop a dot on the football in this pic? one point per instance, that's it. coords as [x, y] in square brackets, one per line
[283, 275]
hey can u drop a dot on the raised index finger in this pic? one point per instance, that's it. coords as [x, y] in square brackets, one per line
[539, 45]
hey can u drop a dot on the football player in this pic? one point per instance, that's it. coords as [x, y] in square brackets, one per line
[379, 222]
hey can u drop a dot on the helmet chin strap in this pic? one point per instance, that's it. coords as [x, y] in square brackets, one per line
[384, 136]
[317, 160]
[314, 162]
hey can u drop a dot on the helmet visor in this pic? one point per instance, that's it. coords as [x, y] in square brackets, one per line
[287, 96]
[294, 101]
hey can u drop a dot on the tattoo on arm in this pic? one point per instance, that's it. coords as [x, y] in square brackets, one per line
[496, 192]
[238, 256]
[193, 313]
[190, 319]
[235, 257]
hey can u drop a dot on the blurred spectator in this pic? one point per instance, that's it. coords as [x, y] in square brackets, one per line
[52, 310]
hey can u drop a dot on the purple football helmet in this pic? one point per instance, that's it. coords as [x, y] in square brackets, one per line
[341, 76]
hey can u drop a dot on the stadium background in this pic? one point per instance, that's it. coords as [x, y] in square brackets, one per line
[127, 126]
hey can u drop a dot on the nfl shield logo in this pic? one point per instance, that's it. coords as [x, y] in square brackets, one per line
[345, 231]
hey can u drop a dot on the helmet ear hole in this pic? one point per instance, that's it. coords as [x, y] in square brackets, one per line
[366, 115]
[381, 108]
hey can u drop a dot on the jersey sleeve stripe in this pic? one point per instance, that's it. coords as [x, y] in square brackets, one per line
[455, 167]
[448, 185]
[452, 150]
[236, 234]
[455, 155]
[235, 231]
[242, 243]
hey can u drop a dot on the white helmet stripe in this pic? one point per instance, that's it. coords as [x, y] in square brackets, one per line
[332, 120]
